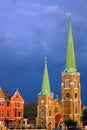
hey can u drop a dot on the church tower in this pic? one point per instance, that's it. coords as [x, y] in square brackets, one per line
[45, 101]
[70, 86]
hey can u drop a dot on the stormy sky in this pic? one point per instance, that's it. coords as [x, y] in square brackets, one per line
[33, 29]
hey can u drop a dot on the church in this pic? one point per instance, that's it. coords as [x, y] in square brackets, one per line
[52, 112]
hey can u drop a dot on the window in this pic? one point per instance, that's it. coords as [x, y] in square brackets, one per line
[50, 112]
[18, 104]
[19, 114]
[56, 110]
[67, 83]
[2, 113]
[75, 83]
[2, 104]
[8, 114]
[75, 110]
[75, 95]
[8, 104]
[42, 112]
[14, 113]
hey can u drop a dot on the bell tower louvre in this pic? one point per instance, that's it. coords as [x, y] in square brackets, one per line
[70, 86]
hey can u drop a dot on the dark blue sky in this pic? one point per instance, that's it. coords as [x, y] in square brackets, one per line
[33, 29]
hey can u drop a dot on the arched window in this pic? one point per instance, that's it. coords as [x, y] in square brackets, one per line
[67, 83]
[42, 112]
[75, 95]
[76, 110]
[50, 112]
[75, 83]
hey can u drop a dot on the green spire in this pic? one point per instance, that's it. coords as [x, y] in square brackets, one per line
[45, 83]
[70, 57]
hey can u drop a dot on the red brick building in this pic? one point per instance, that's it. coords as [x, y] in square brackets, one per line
[11, 108]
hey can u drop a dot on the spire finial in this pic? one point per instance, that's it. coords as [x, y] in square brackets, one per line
[45, 60]
[69, 15]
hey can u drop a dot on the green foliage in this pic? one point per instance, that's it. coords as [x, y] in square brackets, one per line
[84, 116]
[70, 122]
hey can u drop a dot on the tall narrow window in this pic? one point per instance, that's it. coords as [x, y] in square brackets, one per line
[76, 110]
[67, 83]
[2, 113]
[50, 112]
[14, 113]
[18, 104]
[75, 83]
[19, 114]
[42, 112]
[8, 114]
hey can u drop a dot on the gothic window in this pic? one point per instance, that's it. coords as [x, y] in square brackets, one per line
[75, 95]
[75, 110]
[56, 110]
[75, 83]
[42, 112]
[67, 83]
[67, 95]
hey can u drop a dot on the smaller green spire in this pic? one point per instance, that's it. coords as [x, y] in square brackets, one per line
[70, 57]
[45, 83]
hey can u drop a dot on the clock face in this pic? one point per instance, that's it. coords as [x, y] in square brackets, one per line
[67, 95]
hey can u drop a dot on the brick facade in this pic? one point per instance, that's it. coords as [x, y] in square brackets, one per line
[47, 110]
[71, 98]
[11, 108]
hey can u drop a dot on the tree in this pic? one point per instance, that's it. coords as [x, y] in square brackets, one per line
[70, 122]
[84, 116]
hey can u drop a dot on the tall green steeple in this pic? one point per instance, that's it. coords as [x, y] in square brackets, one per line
[45, 83]
[70, 57]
